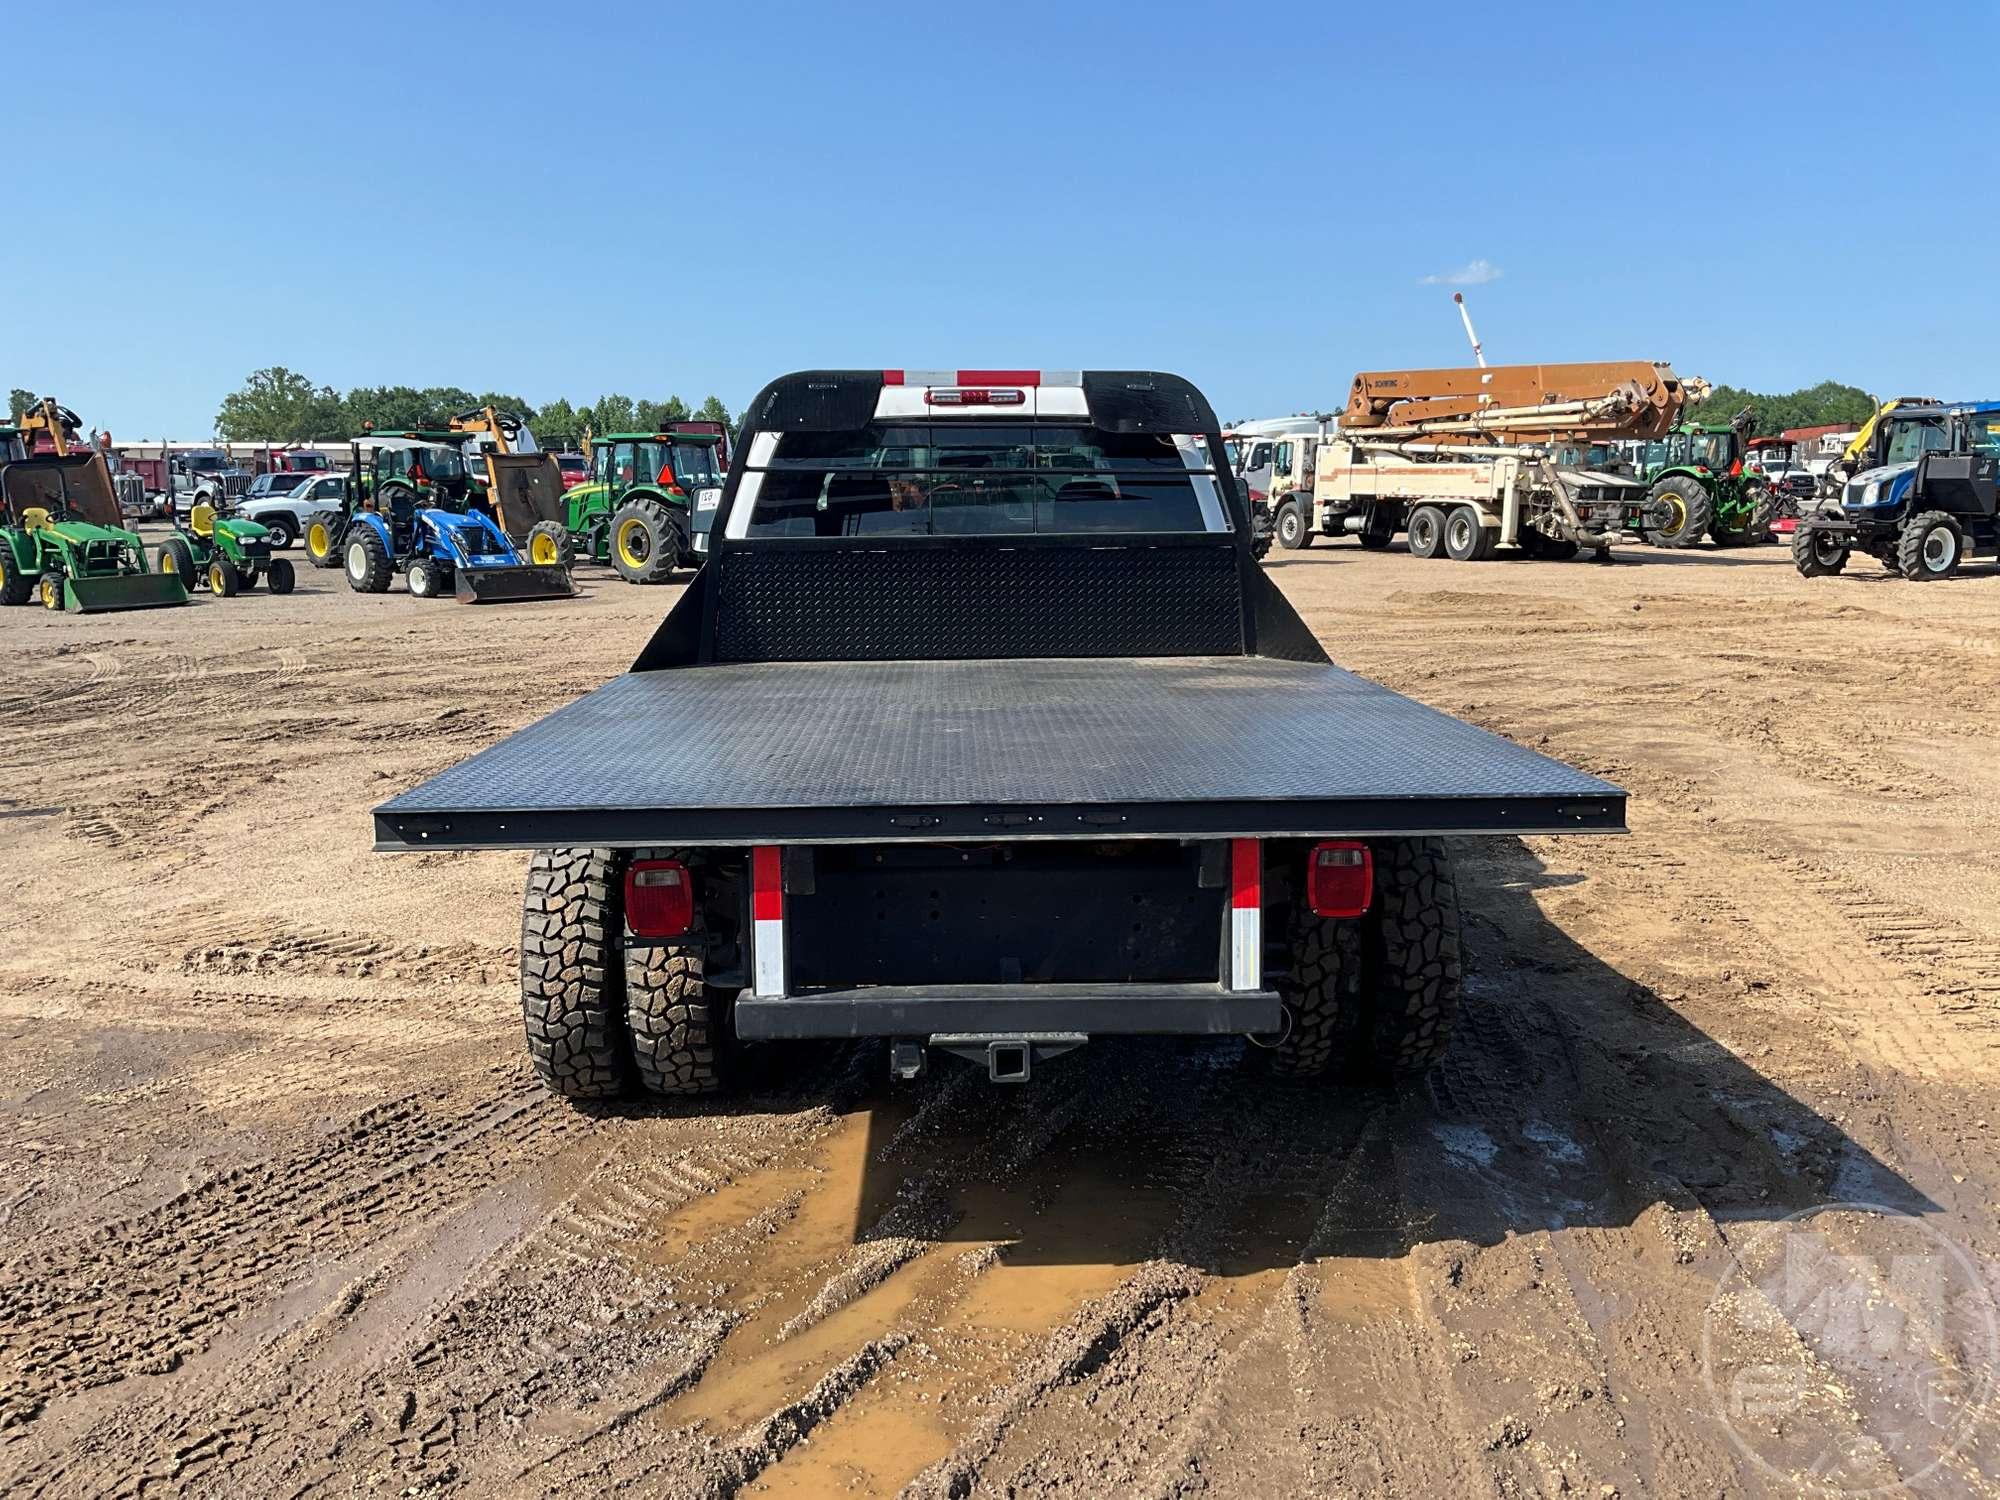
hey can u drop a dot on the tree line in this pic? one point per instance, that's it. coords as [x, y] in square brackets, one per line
[281, 406]
[1825, 404]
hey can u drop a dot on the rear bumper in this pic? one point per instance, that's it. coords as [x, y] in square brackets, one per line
[1010, 1009]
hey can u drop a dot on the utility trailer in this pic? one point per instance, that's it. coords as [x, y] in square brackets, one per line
[981, 731]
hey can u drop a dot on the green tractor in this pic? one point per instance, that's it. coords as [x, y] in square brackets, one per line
[63, 540]
[228, 555]
[636, 511]
[1699, 486]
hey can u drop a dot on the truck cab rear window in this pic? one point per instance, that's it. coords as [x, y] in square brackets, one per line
[985, 480]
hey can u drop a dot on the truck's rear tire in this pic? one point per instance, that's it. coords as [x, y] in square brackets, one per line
[1411, 973]
[679, 1027]
[1426, 531]
[1294, 535]
[1466, 537]
[283, 528]
[572, 981]
[1321, 992]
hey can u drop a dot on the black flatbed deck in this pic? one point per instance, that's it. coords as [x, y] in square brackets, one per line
[871, 752]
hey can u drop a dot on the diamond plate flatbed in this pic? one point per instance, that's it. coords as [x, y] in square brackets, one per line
[873, 752]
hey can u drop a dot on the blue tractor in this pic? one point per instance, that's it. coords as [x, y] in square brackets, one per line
[413, 508]
[1918, 495]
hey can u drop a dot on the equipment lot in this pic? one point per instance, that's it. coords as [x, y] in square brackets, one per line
[285, 1211]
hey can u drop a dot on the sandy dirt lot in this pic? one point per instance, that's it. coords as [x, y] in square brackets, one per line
[283, 1211]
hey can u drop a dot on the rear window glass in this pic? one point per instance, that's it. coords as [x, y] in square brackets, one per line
[923, 479]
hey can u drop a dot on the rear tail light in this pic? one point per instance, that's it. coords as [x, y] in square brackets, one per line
[659, 898]
[1340, 878]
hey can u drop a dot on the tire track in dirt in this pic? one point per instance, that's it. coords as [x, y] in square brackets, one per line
[140, 1296]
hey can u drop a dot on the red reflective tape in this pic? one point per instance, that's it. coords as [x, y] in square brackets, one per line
[767, 884]
[1246, 874]
[999, 377]
[892, 377]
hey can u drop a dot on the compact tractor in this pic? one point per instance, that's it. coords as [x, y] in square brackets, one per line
[1920, 493]
[516, 483]
[411, 508]
[1699, 485]
[64, 543]
[227, 554]
[637, 510]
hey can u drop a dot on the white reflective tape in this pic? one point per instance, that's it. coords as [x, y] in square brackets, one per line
[767, 976]
[762, 446]
[1246, 948]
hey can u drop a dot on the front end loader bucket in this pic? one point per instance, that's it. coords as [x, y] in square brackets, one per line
[511, 585]
[92, 596]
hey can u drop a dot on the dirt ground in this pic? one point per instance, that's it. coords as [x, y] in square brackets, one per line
[283, 1211]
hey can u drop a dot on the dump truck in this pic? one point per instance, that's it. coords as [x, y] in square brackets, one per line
[1465, 460]
[981, 733]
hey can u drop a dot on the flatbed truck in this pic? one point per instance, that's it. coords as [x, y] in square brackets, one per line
[980, 731]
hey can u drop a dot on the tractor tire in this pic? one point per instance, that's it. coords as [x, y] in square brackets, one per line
[323, 540]
[680, 1028]
[1932, 546]
[1816, 555]
[367, 561]
[646, 541]
[16, 587]
[1261, 537]
[284, 530]
[572, 983]
[246, 579]
[1411, 974]
[549, 542]
[1426, 531]
[1692, 511]
[49, 589]
[1320, 991]
[1466, 537]
[427, 578]
[1294, 535]
[282, 576]
[1763, 517]
[1374, 541]
[222, 579]
[177, 557]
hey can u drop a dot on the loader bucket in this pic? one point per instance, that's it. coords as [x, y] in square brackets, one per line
[92, 596]
[511, 585]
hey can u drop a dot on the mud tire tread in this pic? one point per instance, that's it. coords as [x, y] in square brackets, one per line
[572, 985]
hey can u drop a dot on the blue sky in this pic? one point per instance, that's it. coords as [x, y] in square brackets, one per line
[666, 199]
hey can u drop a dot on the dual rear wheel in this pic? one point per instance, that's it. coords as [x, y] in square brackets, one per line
[1374, 999]
[603, 1014]
[1457, 531]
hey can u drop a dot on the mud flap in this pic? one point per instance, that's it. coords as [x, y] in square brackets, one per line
[90, 596]
[511, 585]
